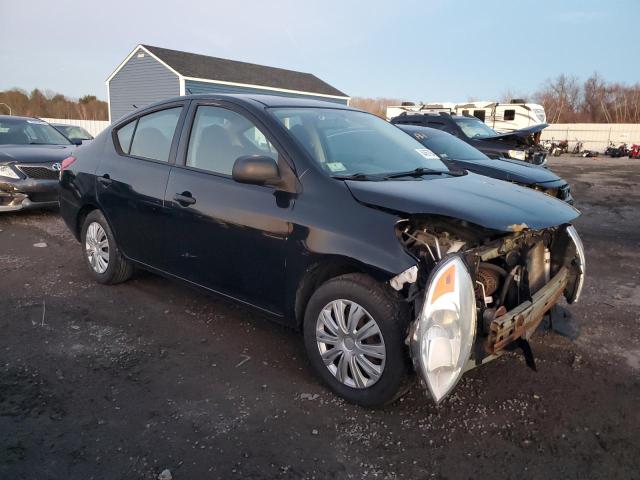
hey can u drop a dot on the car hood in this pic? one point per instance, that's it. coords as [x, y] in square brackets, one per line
[502, 141]
[509, 170]
[34, 153]
[481, 200]
[522, 133]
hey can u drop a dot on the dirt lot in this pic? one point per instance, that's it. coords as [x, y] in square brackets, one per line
[123, 382]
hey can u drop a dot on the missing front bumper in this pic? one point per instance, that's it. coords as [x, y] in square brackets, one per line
[522, 321]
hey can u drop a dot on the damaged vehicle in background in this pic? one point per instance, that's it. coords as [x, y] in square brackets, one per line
[523, 144]
[460, 155]
[330, 220]
[31, 154]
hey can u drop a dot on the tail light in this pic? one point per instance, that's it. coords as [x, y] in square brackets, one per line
[66, 163]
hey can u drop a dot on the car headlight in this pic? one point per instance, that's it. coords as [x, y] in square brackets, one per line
[7, 171]
[517, 154]
[444, 333]
[581, 264]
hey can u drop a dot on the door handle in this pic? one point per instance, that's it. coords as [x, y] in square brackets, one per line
[185, 199]
[105, 180]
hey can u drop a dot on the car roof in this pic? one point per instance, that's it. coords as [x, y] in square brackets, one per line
[18, 118]
[265, 100]
[420, 128]
[254, 100]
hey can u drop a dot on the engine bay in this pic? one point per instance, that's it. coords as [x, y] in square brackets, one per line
[511, 272]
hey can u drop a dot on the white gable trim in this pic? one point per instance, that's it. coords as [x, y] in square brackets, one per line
[109, 102]
[262, 87]
[133, 52]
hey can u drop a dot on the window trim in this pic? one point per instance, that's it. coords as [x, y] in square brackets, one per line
[117, 139]
[135, 118]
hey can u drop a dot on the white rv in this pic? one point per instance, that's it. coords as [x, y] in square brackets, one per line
[502, 117]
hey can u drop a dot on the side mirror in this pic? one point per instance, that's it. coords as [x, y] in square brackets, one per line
[76, 141]
[255, 170]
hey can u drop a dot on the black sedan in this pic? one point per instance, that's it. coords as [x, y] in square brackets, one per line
[523, 144]
[458, 154]
[330, 220]
[31, 155]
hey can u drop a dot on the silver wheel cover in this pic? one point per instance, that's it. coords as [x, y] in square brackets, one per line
[350, 343]
[97, 247]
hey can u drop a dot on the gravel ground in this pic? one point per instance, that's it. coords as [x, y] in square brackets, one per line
[124, 382]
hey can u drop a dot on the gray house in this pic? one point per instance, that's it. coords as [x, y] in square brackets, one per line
[150, 74]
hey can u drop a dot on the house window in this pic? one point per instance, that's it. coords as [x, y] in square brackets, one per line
[479, 114]
[509, 115]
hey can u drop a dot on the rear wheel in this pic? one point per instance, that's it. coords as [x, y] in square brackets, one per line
[353, 331]
[101, 253]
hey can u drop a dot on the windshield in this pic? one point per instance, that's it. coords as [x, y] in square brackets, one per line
[29, 132]
[474, 128]
[74, 133]
[449, 147]
[346, 142]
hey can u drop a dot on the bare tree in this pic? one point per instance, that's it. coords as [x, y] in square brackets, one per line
[377, 106]
[561, 98]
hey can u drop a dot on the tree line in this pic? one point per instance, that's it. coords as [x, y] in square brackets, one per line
[568, 100]
[49, 104]
[565, 99]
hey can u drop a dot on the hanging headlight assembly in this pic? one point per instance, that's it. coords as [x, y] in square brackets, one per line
[580, 263]
[444, 333]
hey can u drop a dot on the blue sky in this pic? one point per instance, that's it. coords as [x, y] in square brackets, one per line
[415, 50]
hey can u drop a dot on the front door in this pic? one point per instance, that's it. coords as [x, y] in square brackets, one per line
[224, 235]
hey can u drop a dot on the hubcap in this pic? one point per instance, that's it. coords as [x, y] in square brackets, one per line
[350, 343]
[97, 247]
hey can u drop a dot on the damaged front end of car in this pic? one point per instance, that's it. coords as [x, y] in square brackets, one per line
[477, 293]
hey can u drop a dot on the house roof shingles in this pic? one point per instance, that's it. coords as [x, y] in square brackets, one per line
[221, 69]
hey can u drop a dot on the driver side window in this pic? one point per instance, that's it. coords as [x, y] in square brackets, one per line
[219, 136]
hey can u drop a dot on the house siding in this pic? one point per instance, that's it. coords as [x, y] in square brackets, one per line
[141, 81]
[195, 87]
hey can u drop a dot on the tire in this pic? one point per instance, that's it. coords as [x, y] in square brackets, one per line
[116, 268]
[390, 316]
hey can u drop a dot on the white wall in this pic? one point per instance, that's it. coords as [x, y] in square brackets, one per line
[94, 127]
[595, 136]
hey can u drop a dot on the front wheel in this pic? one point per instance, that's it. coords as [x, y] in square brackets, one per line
[101, 252]
[354, 333]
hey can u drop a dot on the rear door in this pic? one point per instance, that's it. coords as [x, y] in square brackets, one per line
[132, 179]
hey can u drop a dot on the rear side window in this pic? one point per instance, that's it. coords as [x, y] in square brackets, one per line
[509, 115]
[125, 134]
[154, 134]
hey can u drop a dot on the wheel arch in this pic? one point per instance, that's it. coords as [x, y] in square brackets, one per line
[84, 211]
[324, 269]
